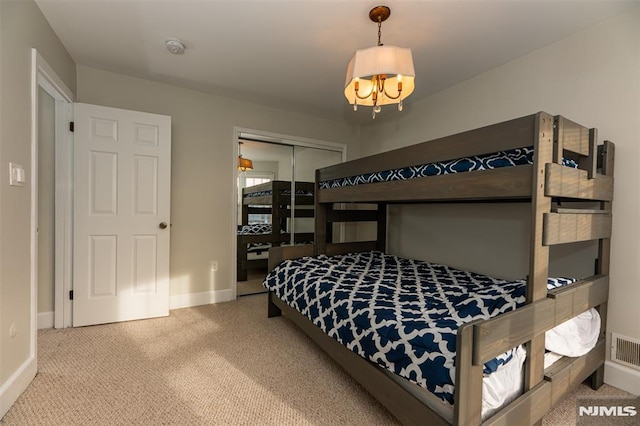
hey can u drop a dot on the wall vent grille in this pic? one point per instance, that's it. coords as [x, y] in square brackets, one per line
[625, 350]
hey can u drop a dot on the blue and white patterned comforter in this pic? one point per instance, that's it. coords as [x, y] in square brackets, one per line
[401, 314]
[495, 160]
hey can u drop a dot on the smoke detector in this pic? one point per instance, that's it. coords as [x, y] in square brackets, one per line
[175, 46]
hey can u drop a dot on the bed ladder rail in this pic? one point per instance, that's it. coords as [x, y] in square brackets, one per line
[566, 182]
[571, 140]
[574, 225]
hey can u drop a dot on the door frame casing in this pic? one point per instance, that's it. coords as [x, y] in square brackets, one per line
[263, 136]
[42, 75]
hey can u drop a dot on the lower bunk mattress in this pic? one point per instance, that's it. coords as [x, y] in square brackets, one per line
[403, 315]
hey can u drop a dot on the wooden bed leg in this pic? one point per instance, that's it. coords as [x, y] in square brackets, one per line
[597, 378]
[272, 309]
[242, 274]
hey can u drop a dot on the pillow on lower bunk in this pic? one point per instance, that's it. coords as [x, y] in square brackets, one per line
[576, 336]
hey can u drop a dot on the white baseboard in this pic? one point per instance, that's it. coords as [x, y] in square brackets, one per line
[16, 384]
[196, 299]
[622, 377]
[45, 320]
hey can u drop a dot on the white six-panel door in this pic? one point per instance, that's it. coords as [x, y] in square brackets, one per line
[122, 174]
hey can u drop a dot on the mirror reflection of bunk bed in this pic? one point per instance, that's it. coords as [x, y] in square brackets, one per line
[272, 201]
[422, 338]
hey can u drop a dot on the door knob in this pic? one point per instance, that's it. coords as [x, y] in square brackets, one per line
[163, 225]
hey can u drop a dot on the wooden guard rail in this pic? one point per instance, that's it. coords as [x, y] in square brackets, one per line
[497, 335]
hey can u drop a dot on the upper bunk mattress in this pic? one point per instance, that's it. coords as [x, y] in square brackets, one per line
[495, 160]
[399, 313]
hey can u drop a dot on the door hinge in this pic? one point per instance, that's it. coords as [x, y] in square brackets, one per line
[71, 126]
[70, 294]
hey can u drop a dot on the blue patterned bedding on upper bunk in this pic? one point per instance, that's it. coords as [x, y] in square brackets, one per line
[283, 192]
[399, 313]
[495, 160]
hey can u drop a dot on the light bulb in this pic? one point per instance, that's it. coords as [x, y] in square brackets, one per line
[400, 105]
[377, 109]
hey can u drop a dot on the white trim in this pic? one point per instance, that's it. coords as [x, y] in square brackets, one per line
[42, 75]
[622, 377]
[63, 214]
[180, 301]
[16, 384]
[45, 320]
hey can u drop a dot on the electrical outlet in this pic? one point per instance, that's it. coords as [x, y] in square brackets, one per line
[13, 330]
[214, 265]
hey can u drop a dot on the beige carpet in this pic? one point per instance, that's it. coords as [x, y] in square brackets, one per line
[215, 364]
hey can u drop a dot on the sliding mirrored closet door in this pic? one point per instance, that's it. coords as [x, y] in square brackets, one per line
[275, 201]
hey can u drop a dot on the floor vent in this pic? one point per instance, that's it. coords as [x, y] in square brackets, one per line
[625, 350]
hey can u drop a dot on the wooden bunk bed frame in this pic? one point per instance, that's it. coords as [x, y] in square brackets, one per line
[480, 341]
[278, 205]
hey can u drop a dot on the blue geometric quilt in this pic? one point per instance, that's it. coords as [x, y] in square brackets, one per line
[495, 160]
[399, 313]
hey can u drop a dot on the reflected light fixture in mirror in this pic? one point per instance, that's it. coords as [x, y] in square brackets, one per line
[244, 164]
[380, 75]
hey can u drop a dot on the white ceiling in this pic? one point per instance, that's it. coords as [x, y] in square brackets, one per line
[293, 54]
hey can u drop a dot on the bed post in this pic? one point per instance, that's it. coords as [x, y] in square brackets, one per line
[467, 407]
[381, 244]
[241, 261]
[276, 220]
[245, 213]
[321, 224]
[539, 253]
[604, 257]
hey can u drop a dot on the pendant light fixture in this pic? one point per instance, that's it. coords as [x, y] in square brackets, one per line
[244, 164]
[380, 75]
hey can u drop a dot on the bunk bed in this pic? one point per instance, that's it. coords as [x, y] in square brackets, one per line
[272, 198]
[563, 163]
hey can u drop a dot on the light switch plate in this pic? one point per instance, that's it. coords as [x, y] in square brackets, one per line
[16, 174]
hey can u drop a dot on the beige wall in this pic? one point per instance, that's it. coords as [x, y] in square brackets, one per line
[591, 77]
[203, 166]
[22, 27]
